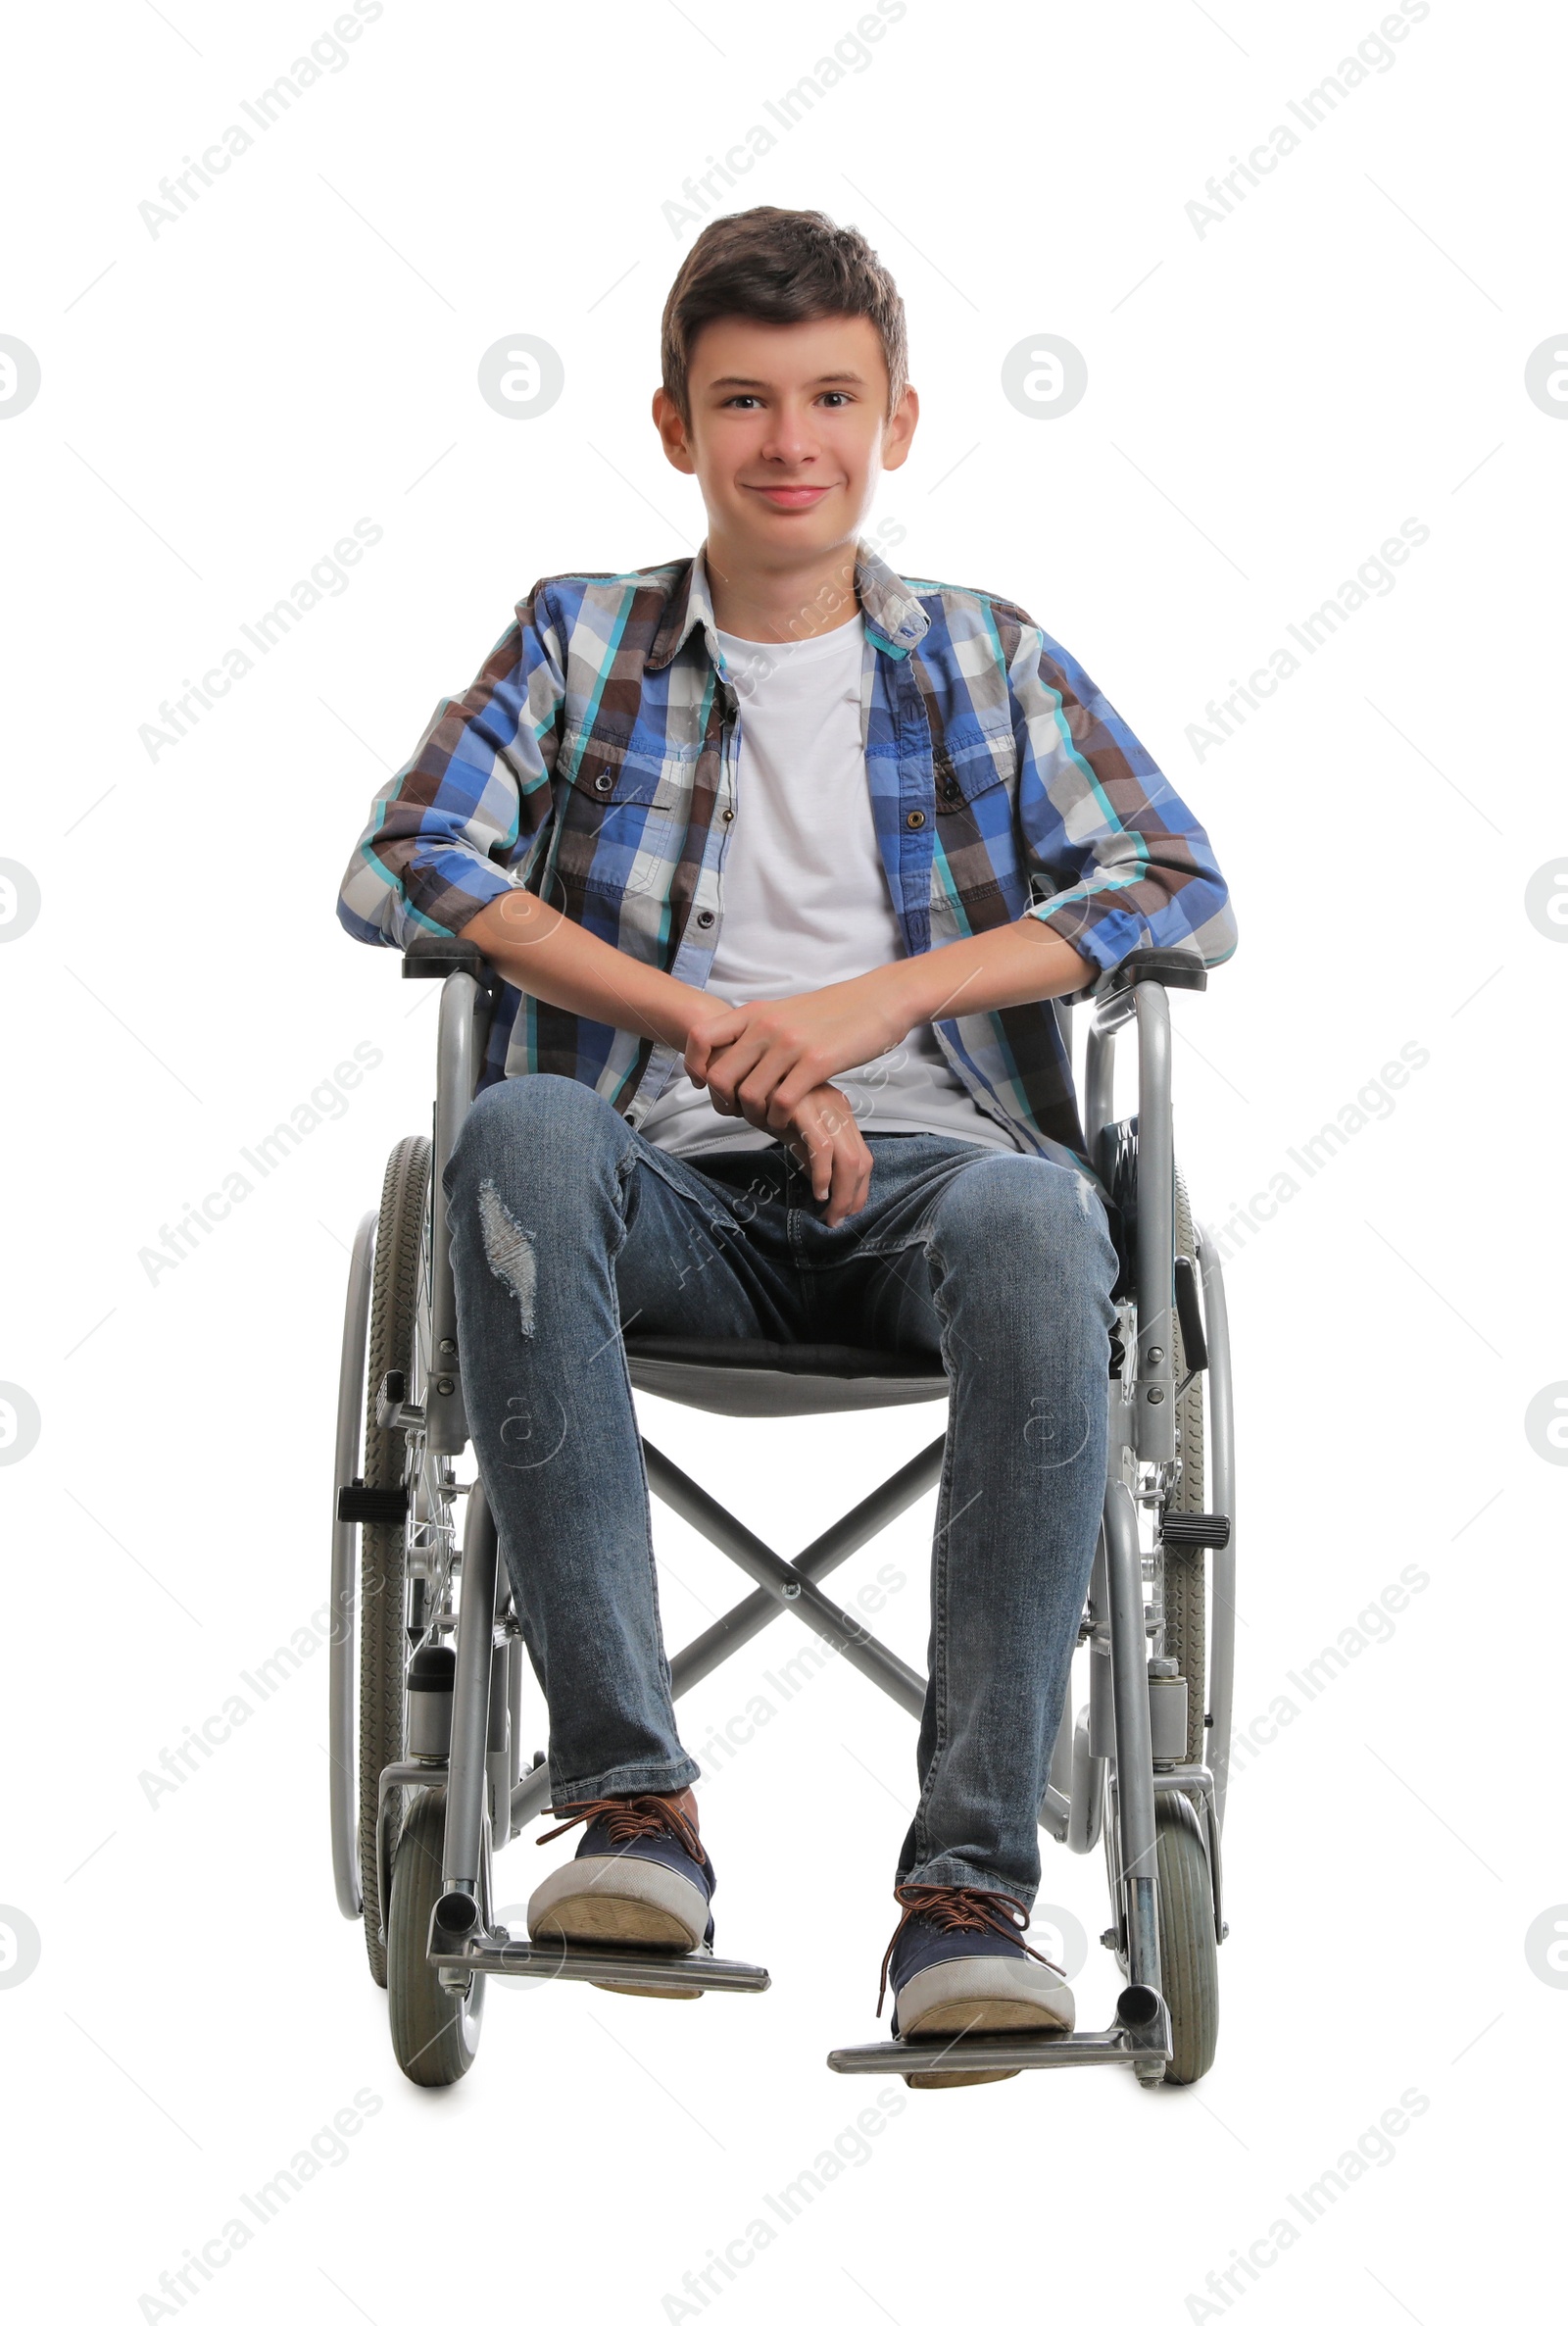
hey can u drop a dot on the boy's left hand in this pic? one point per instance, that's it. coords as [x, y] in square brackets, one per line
[760, 1058]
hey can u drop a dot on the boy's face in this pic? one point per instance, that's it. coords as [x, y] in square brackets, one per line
[789, 431]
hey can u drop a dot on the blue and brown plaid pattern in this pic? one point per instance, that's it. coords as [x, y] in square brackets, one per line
[594, 759]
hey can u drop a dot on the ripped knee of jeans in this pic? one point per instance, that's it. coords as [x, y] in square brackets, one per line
[508, 1248]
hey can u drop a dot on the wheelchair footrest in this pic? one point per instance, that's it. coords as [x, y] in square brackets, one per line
[1109, 2046]
[500, 1957]
[1195, 1530]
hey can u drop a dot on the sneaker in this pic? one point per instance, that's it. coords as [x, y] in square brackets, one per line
[640, 1878]
[956, 1964]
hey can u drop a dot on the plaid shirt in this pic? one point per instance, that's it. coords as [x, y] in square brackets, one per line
[593, 762]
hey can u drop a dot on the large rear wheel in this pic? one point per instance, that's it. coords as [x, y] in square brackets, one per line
[399, 1327]
[1181, 1578]
[1189, 1966]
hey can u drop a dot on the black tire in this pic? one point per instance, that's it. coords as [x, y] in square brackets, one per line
[1189, 1968]
[435, 2034]
[1182, 1571]
[395, 1298]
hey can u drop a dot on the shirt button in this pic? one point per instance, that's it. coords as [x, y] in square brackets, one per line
[604, 782]
[729, 815]
[704, 920]
[915, 819]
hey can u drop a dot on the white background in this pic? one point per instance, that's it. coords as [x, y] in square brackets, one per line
[1268, 402]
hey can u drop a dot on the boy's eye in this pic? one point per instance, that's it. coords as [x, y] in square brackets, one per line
[744, 396]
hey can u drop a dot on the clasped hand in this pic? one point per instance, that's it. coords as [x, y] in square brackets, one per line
[771, 1061]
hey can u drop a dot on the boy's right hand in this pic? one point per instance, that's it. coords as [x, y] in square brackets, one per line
[822, 1133]
[825, 1136]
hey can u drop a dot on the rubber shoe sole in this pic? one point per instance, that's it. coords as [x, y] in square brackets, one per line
[981, 1994]
[622, 1902]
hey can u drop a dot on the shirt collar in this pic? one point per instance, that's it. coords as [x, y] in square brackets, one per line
[894, 615]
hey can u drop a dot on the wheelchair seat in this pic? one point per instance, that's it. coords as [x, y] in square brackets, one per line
[750, 1378]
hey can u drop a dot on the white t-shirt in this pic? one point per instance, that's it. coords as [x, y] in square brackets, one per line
[805, 898]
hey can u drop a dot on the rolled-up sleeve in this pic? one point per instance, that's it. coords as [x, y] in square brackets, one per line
[1127, 864]
[447, 830]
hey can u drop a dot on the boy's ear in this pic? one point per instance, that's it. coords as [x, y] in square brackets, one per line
[672, 432]
[900, 431]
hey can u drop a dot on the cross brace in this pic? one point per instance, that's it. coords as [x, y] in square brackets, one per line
[782, 1584]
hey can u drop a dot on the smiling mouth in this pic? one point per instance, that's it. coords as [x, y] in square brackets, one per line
[790, 496]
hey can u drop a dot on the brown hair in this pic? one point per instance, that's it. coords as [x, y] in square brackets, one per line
[779, 267]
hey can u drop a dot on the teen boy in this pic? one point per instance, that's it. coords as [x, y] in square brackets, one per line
[786, 857]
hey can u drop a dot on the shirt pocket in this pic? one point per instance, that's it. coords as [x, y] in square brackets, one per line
[975, 786]
[622, 812]
[981, 756]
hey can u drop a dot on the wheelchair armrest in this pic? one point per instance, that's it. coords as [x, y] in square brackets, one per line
[439, 957]
[1159, 966]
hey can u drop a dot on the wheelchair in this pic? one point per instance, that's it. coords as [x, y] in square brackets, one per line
[427, 1777]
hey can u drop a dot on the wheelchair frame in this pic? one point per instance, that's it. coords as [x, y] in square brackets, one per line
[1106, 1774]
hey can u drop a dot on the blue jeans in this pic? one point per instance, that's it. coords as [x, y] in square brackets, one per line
[568, 1225]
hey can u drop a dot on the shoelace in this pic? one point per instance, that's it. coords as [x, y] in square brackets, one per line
[952, 1908]
[628, 1816]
